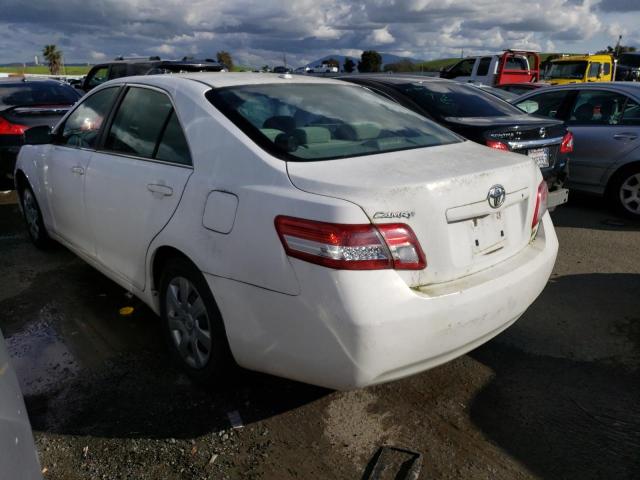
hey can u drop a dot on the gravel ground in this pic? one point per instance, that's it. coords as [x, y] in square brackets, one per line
[555, 396]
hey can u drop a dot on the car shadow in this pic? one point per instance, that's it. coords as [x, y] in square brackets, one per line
[591, 212]
[86, 369]
[565, 396]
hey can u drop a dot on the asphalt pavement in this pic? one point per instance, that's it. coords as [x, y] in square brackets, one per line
[555, 396]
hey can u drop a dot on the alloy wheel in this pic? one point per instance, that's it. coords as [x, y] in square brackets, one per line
[630, 194]
[189, 323]
[31, 214]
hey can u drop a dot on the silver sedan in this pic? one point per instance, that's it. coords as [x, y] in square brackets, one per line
[605, 121]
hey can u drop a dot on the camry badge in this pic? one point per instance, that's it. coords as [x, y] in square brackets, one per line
[496, 196]
[543, 132]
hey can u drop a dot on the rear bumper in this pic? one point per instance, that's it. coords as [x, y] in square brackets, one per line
[350, 329]
[557, 197]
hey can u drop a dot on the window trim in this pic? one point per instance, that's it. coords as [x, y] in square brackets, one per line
[100, 145]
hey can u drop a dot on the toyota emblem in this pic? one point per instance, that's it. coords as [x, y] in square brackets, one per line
[543, 132]
[496, 196]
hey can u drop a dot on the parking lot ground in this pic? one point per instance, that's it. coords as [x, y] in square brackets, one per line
[555, 396]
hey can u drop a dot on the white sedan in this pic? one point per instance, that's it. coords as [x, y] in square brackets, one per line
[298, 226]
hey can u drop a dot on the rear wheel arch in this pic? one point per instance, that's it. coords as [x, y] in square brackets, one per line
[21, 181]
[620, 171]
[615, 182]
[161, 257]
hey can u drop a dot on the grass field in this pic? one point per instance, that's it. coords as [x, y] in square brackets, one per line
[42, 69]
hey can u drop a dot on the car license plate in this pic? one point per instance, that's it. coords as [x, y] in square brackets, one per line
[540, 156]
[487, 233]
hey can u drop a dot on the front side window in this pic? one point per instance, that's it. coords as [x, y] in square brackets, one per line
[82, 127]
[301, 122]
[462, 69]
[567, 70]
[597, 107]
[547, 104]
[139, 122]
[444, 100]
[594, 69]
[118, 70]
[99, 76]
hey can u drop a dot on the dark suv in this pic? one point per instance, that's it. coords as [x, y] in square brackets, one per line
[628, 68]
[127, 67]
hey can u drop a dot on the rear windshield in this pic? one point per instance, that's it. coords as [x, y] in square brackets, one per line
[569, 70]
[323, 121]
[450, 100]
[36, 93]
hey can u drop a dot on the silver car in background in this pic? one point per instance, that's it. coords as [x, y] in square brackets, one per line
[605, 121]
[18, 457]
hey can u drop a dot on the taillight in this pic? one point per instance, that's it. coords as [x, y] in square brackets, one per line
[497, 145]
[541, 204]
[351, 247]
[567, 143]
[8, 128]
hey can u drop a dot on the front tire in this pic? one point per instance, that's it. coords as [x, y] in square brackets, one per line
[624, 192]
[192, 323]
[33, 218]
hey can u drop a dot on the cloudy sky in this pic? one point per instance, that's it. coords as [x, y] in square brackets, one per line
[258, 32]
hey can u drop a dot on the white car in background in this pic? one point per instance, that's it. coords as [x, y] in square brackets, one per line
[300, 226]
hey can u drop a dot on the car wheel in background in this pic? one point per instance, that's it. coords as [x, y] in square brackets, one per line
[624, 191]
[33, 218]
[192, 323]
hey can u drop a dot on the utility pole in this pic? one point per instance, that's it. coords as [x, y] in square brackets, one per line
[284, 59]
[462, 53]
[616, 51]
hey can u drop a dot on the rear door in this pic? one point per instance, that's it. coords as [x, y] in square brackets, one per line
[66, 165]
[135, 181]
[601, 137]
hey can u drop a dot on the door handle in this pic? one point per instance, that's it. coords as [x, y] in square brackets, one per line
[625, 136]
[160, 190]
[78, 170]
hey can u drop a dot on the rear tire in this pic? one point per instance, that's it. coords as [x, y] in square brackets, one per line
[33, 219]
[192, 324]
[624, 192]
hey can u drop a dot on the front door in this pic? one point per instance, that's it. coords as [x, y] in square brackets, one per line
[135, 181]
[66, 167]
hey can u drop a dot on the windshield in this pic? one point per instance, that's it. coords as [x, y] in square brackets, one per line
[36, 93]
[305, 122]
[572, 70]
[450, 100]
[630, 60]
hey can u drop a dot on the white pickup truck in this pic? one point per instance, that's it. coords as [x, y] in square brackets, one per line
[512, 66]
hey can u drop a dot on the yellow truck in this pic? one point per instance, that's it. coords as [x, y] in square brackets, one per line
[580, 69]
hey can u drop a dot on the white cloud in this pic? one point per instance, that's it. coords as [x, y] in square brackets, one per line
[381, 36]
[98, 56]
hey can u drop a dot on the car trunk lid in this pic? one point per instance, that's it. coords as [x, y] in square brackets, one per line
[441, 193]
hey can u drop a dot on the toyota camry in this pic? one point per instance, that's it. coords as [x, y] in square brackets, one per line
[303, 227]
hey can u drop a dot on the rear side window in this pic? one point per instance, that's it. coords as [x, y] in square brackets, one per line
[147, 126]
[483, 67]
[118, 70]
[546, 104]
[173, 145]
[606, 68]
[82, 127]
[631, 115]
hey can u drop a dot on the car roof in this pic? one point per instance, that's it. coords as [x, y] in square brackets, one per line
[397, 78]
[23, 80]
[223, 79]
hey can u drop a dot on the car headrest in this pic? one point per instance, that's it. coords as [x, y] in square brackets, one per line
[307, 135]
[358, 131]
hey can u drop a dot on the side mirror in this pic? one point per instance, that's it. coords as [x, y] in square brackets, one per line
[39, 135]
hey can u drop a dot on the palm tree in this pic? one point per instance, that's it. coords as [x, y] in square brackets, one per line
[53, 57]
